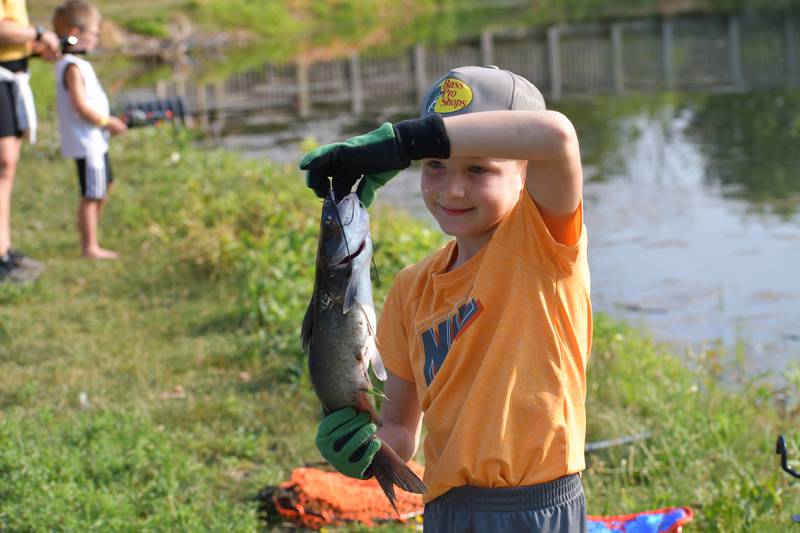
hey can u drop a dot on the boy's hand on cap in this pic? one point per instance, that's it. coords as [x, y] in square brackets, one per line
[346, 439]
[378, 155]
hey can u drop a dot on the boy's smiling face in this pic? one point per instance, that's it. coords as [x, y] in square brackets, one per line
[469, 196]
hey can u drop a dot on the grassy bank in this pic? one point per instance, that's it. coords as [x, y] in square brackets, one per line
[161, 392]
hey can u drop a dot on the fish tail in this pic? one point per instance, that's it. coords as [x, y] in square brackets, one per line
[390, 470]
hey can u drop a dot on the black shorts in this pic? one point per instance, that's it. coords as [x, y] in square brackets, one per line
[9, 127]
[557, 506]
[94, 181]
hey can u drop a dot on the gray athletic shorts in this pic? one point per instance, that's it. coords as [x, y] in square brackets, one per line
[557, 506]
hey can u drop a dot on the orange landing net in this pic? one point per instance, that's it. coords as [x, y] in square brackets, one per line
[315, 498]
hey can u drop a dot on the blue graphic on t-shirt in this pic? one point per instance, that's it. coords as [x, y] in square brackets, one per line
[436, 341]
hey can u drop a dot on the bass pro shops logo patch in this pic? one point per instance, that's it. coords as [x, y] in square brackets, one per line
[451, 95]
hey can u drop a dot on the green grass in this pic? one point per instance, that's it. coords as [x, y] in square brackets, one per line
[185, 308]
[124, 333]
[188, 353]
[712, 446]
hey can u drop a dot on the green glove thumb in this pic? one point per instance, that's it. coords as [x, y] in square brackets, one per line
[371, 183]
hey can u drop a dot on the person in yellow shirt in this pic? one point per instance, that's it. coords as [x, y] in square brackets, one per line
[18, 40]
[486, 341]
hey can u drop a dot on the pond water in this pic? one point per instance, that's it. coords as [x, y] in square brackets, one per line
[691, 208]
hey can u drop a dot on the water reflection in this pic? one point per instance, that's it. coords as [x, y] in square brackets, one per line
[680, 242]
[751, 142]
[691, 207]
[748, 142]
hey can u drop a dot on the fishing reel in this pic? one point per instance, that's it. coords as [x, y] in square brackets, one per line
[154, 112]
[780, 449]
[70, 41]
[65, 44]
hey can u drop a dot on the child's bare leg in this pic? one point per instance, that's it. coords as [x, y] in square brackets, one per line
[87, 225]
[9, 155]
[103, 203]
[88, 212]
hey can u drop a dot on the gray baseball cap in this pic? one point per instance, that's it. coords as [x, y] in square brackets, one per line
[473, 89]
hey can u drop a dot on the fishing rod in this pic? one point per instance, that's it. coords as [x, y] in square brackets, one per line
[147, 113]
[66, 43]
[780, 449]
[153, 112]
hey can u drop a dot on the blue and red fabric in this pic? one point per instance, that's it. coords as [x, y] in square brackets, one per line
[667, 520]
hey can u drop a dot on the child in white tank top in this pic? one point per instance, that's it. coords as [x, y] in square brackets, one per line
[84, 120]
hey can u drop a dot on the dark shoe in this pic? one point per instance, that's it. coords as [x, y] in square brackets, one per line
[5, 271]
[20, 260]
[20, 268]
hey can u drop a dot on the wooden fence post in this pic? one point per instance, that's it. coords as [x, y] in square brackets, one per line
[180, 92]
[303, 89]
[487, 48]
[667, 33]
[356, 85]
[219, 107]
[735, 53]
[202, 106]
[161, 89]
[617, 65]
[554, 59]
[791, 51]
[420, 76]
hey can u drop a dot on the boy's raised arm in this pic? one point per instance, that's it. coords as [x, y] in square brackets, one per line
[546, 139]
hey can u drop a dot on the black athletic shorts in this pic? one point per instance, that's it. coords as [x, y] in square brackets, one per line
[9, 127]
[94, 181]
[557, 506]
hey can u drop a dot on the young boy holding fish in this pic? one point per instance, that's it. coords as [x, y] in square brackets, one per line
[488, 337]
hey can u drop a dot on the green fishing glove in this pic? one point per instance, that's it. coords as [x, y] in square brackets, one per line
[346, 439]
[377, 156]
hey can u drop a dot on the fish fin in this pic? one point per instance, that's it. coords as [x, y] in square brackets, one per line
[389, 469]
[308, 325]
[375, 360]
[370, 319]
[350, 294]
[375, 393]
[373, 355]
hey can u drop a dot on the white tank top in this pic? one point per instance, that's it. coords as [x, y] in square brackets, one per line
[80, 138]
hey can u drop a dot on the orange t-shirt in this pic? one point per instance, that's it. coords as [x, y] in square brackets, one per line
[14, 11]
[498, 350]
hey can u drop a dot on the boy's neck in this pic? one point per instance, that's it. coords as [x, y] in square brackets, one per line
[466, 249]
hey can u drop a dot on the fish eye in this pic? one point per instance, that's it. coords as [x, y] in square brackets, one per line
[328, 219]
